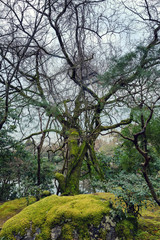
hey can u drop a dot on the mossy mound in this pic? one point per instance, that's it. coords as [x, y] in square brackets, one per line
[67, 217]
[11, 208]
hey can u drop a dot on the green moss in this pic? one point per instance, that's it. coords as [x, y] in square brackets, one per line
[149, 224]
[11, 208]
[61, 180]
[125, 230]
[74, 169]
[75, 214]
[73, 142]
[69, 212]
[72, 187]
[45, 193]
[67, 232]
[73, 147]
[73, 132]
[59, 177]
[148, 229]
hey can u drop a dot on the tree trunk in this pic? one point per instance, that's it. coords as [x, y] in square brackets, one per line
[150, 186]
[39, 166]
[69, 184]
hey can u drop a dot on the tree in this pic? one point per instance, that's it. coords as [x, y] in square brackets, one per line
[139, 137]
[39, 146]
[13, 165]
[144, 98]
[58, 72]
[144, 104]
[12, 51]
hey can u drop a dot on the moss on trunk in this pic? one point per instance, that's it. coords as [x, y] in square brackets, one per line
[69, 184]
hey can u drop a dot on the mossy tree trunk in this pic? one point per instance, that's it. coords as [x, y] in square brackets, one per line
[79, 143]
[76, 157]
[69, 184]
[78, 150]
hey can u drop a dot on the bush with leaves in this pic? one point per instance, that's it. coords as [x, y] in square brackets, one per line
[29, 182]
[18, 169]
[12, 159]
[126, 183]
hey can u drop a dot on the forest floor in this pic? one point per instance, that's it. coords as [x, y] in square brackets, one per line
[149, 224]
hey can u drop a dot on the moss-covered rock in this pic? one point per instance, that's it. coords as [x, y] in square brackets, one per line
[61, 180]
[45, 193]
[126, 230]
[66, 217]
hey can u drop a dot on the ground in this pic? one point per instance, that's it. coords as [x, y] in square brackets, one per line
[11, 208]
[149, 224]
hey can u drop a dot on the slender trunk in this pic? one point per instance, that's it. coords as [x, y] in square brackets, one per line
[4, 118]
[39, 149]
[143, 150]
[39, 166]
[151, 188]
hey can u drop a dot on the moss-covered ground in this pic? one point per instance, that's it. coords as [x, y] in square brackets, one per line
[11, 208]
[149, 224]
[53, 210]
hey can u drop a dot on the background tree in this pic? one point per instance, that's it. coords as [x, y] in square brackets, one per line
[144, 98]
[13, 165]
[143, 102]
[39, 146]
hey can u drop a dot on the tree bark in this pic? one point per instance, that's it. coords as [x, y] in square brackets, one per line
[151, 188]
[38, 166]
